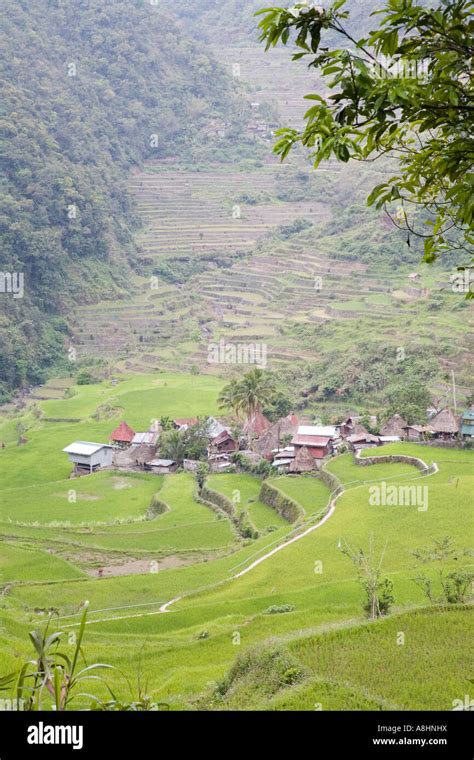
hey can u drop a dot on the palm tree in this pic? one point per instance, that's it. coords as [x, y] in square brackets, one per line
[248, 394]
[172, 446]
[227, 397]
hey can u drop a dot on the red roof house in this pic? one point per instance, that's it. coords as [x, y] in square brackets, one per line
[317, 445]
[122, 435]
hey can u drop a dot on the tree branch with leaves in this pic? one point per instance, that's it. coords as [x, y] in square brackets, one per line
[406, 92]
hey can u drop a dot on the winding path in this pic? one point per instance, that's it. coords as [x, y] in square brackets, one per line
[165, 607]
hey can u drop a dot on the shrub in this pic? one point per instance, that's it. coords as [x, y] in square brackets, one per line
[279, 609]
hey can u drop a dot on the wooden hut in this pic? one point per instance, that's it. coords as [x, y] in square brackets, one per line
[445, 424]
[143, 454]
[394, 426]
[122, 436]
[272, 438]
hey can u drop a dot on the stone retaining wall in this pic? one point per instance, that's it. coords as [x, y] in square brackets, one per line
[403, 458]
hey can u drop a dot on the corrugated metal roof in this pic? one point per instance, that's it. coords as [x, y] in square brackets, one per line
[224, 436]
[85, 448]
[215, 427]
[148, 438]
[161, 462]
[319, 430]
[311, 440]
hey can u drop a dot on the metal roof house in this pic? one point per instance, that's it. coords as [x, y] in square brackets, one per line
[467, 424]
[316, 440]
[325, 431]
[161, 466]
[145, 439]
[88, 457]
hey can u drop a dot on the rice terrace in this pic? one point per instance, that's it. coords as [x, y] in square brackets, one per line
[236, 401]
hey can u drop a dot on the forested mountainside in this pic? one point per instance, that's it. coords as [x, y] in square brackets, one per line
[89, 89]
[238, 19]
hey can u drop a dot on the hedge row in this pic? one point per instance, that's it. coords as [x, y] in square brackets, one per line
[286, 507]
[217, 500]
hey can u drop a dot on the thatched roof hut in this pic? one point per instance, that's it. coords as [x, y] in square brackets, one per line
[272, 438]
[256, 425]
[445, 422]
[142, 454]
[303, 461]
[359, 430]
[394, 426]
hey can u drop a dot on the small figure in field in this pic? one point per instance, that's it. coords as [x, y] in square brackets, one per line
[101, 572]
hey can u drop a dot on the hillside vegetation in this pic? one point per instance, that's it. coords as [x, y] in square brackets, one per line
[89, 90]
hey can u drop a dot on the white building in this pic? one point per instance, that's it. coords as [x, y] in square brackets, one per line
[87, 456]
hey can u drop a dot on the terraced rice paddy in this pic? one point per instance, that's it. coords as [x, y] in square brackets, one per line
[172, 587]
[244, 491]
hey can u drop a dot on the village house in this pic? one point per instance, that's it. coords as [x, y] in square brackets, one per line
[145, 439]
[394, 427]
[139, 456]
[283, 459]
[417, 432]
[445, 425]
[467, 424]
[317, 440]
[223, 443]
[214, 427]
[349, 426]
[303, 461]
[88, 457]
[161, 466]
[219, 463]
[272, 439]
[122, 436]
[362, 440]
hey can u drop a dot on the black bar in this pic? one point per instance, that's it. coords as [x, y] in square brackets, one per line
[344, 734]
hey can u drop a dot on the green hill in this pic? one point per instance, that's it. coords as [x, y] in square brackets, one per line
[89, 90]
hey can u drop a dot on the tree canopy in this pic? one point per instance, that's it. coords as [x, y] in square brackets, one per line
[402, 92]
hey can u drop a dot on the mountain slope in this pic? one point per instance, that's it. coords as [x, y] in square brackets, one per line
[89, 89]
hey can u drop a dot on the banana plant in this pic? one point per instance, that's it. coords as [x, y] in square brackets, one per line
[53, 676]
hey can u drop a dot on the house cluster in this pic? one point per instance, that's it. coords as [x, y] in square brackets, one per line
[127, 449]
[291, 444]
